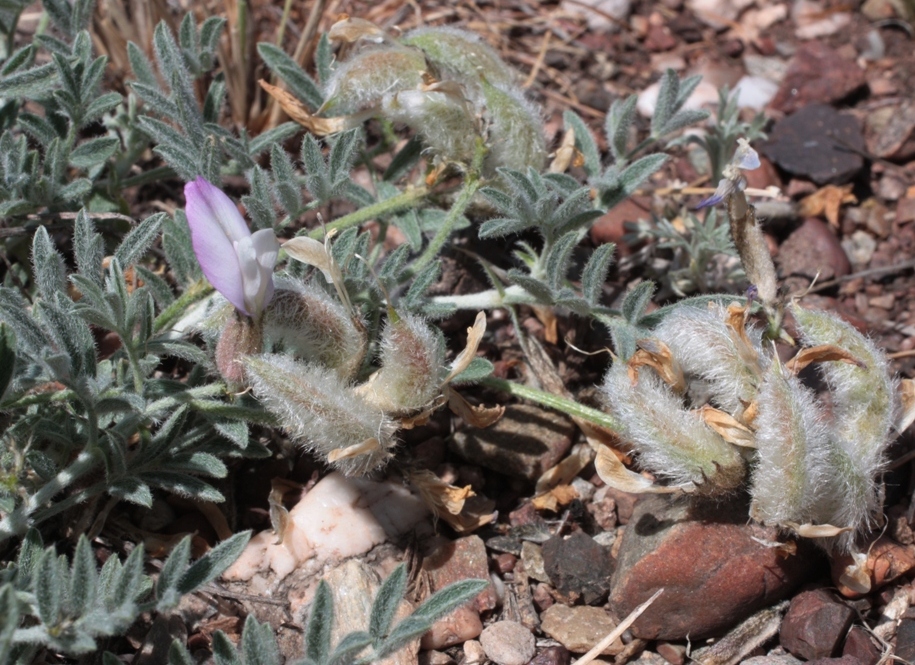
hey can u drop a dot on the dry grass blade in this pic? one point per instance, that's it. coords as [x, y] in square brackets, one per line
[619, 630]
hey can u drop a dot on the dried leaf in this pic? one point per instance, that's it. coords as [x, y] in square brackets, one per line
[465, 357]
[656, 354]
[826, 202]
[857, 574]
[729, 428]
[612, 471]
[561, 495]
[298, 112]
[563, 473]
[279, 516]
[547, 316]
[350, 30]
[475, 416]
[418, 420]
[819, 354]
[817, 530]
[566, 154]
[458, 506]
[310, 251]
[367, 447]
[907, 403]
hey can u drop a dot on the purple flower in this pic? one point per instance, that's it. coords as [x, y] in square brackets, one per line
[238, 264]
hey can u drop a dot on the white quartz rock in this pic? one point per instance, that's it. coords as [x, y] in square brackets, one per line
[339, 518]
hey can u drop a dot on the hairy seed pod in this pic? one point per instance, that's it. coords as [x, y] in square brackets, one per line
[862, 416]
[461, 56]
[412, 367]
[670, 441]
[444, 120]
[708, 349]
[791, 479]
[361, 83]
[515, 129]
[319, 411]
[304, 320]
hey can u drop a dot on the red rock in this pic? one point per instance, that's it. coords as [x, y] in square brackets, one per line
[462, 559]
[815, 625]
[817, 74]
[625, 503]
[659, 38]
[860, 645]
[896, 140]
[505, 562]
[713, 572]
[844, 660]
[675, 654]
[905, 640]
[611, 226]
[812, 248]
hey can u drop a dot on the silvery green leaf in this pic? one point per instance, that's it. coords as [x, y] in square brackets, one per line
[666, 105]
[160, 289]
[178, 655]
[286, 185]
[83, 578]
[235, 431]
[224, 652]
[320, 624]
[259, 204]
[175, 565]
[88, 248]
[683, 119]
[540, 291]
[258, 643]
[183, 485]
[152, 95]
[101, 105]
[60, 11]
[30, 82]
[48, 587]
[80, 15]
[40, 128]
[556, 261]
[624, 185]
[687, 86]
[584, 141]
[186, 166]
[386, 602]
[636, 301]
[408, 222]
[199, 463]
[300, 84]
[342, 155]
[41, 464]
[176, 243]
[477, 370]
[9, 610]
[278, 134]
[502, 201]
[141, 66]
[617, 123]
[393, 265]
[422, 282]
[93, 152]
[503, 226]
[324, 59]
[69, 333]
[595, 273]
[7, 357]
[349, 647]
[129, 580]
[215, 99]
[20, 58]
[214, 563]
[132, 490]
[30, 335]
[210, 32]
[48, 265]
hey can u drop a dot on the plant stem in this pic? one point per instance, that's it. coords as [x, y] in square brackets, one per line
[195, 292]
[403, 200]
[17, 522]
[471, 186]
[543, 398]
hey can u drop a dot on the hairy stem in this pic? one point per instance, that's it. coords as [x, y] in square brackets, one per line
[195, 292]
[406, 199]
[562, 404]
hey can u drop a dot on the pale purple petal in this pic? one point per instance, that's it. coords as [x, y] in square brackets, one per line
[256, 257]
[211, 220]
[725, 187]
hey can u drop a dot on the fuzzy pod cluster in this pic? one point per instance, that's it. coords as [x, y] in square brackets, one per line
[742, 418]
[448, 86]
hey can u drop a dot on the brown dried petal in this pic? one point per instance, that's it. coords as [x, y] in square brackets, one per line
[349, 30]
[297, 111]
[612, 471]
[656, 354]
[566, 470]
[367, 447]
[907, 403]
[819, 354]
[475, 416]
[729, 428]
[465, 357]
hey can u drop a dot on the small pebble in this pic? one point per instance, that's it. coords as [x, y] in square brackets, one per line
[508, 643]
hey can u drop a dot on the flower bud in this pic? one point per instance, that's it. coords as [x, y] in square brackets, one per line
[239, 338]
[443, 119]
